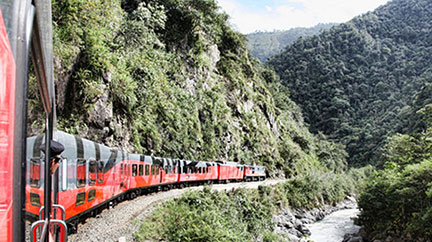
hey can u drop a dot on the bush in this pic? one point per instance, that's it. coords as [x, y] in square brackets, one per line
[240, 215]
[399, 200]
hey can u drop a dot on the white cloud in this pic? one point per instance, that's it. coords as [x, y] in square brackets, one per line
[289, 15]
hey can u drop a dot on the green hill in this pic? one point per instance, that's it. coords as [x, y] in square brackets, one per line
[170, 78]
[356, 81]
[264, 45]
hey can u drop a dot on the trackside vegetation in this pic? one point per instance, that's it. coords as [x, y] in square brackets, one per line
[243, 214]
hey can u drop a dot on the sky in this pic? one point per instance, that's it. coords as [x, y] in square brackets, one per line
[248, 16]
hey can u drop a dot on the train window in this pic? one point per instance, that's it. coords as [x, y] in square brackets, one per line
[199, 170]
[134, 170]
[35, 199]
[63, 173]
[141, 170]
[80, 199]
[147, 170]
[81, 172]
[35, 172]
[153, 170]
[121, 169]
[92, 172]
[92, 195]
[100, 172]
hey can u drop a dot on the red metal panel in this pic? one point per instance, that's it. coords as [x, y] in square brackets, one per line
[7, 107]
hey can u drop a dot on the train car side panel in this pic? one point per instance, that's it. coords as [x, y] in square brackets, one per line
[7, 113]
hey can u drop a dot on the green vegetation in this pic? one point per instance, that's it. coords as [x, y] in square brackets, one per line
[356, 81]
[264, 45]
[243, 214]
[397, 200]
[170, 78]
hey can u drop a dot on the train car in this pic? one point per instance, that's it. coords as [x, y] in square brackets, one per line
[91, 175]
[7, 98]
[254, 173]
[169, 173]
[229, 171]
[16, 24]
[145, 175]
[193, 172]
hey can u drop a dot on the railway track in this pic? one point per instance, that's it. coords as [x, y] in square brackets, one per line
[121, 222]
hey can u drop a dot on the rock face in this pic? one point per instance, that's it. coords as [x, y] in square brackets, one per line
[292, 223]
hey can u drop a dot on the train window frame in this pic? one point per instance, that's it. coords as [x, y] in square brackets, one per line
[147, 170]
[92, 165]
[121, 170]
[79, 199]
[35, 199]
[134, 170]
[63, 174]
[100, 175]
[38, 183]
[140, 170]
[81, 182]
[91, 195]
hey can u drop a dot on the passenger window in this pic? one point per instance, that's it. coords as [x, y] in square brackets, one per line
[100, 172]
[141, 170]
[92, 195]
[92, 172]
[35, 199]
[153, 170]
[134, 170]
[81, 172]
[121, 169]
[63, 173]
[80, 199]
[147, 170]
[35, 172]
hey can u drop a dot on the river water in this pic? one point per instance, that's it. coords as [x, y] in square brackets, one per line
[334, 226]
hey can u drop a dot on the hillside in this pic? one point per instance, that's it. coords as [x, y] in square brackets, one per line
[264, 45]
[357, 81]
[170, 78]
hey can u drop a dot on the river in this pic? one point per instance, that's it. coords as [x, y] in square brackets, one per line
[334, 226]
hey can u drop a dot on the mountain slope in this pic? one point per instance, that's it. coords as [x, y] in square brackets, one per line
[355, 81]
[263, 45]
[170, 78]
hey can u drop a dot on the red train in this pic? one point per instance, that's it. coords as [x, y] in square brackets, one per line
[93, 176]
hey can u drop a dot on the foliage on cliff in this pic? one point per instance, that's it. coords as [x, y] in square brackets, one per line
[356, 81]
[170, 78]
[264, 45]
